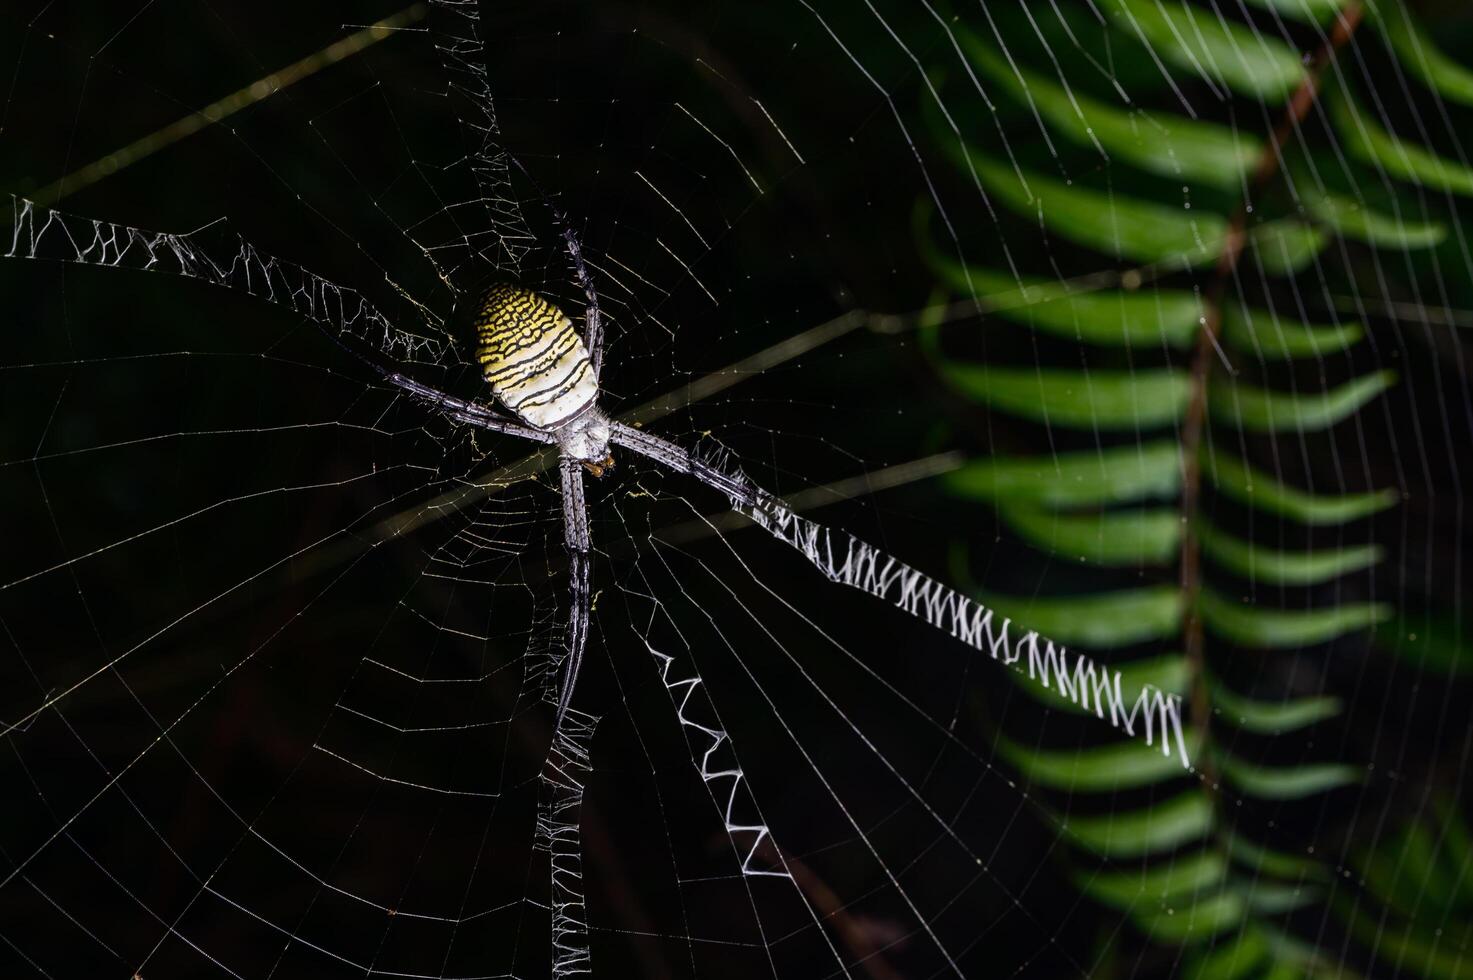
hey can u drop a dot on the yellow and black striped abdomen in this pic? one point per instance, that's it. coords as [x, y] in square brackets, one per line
[532, 357]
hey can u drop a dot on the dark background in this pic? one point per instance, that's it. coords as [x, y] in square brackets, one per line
[178, 810]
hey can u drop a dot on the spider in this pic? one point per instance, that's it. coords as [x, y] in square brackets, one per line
[542, 374]
[543, 377]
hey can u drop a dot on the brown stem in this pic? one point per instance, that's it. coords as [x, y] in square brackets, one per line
[1269, 166]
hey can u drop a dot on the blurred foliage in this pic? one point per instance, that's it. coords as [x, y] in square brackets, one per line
[1155, 402]
[1418, 905]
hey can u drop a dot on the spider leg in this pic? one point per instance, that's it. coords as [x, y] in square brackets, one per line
[566, 767]
[845, 559]
[465, 411]
[213, 255]
[593, 329]
[559, 833]
[578, 543]
[742, 492]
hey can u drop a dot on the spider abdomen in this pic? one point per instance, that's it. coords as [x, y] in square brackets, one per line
[534, 360]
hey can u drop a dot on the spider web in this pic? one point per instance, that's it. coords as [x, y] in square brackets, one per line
[279, 643]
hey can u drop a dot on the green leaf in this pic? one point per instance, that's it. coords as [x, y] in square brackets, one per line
[1155, 884]
[1261, 410]
[1303, 959]
[1251, 854]
[1286, 782]
[1403, 873]
[1236, 959]
[1195, 919]
[1119, 765]
[1261, 564]
[1101, 399]
[1221, 51]
[1115, 224]
[1264, 334]
[1351, 219]
[1169, 145]
[1457, 848]
[1166, 236]
[1255, 488]
[1419, 861]
[1106, 318]
[1429, 954]
[1418, 54]
[1165, 673]
[1271, 717]
[1124, 474]
[1311, 11]
[1255, 626]
[1425, 869]
[1161, 827]
[1291, 971]
[1286, 246]
[1100, 621]
[1433, 642]
[1133, 537]
[1397, 157]
[1276, 898]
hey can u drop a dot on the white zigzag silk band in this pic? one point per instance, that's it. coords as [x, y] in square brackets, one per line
[1155, 716]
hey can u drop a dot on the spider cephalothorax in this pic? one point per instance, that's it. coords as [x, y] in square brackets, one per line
[586, 439]
[539, 368]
